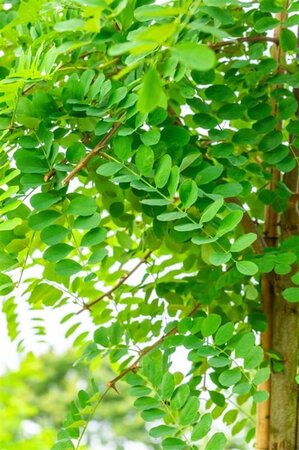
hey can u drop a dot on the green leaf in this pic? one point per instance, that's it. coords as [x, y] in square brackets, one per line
[265, 23]
[210, 211]
[108, 169]
[151, 94]
[10, 176]
[229, 222]
[6, 284]
[189, 160]
[75, 152]
[260, 396]
[261, 376]
[93, 237]
[46, 294]
[170, 216]
[44, 200]
[224, 333]
[295, 278]
[163, 170]
[150, 137]
[57, 252]
[156, 202]
[144, 160]
[201, 240]
[177, 135]
[188, 193]
[194, 56]
[243, 242]
[150, 12]
[253, 358]
[228, 189]
[202, 428]
[167, 386]
[173, 181]
[63, 444]
[247, 267]
[122, 147]
[82, 206]
[291, 294]
[244, 345]
[161, 430]
[100, 337]
[180, 396]
[209, 174]
[218, 441]
[210, 325]
[138, 391]
[67, 267]
[54, 234]
[218, 258]
[144, 403]
[42, 219]
[173, 444]
[87, 222]
[10, 224]
[219, 361]
[69, 25]
[188, 227]
[189, 412]
[230, 377]
[149, 415]
[270, 141]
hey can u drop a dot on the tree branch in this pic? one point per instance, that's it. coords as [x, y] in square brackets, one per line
[145, 351]
[102, 144]
[120, 282]
[243, 39]
[132, 368]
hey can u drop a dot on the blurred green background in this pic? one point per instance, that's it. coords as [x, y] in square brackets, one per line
[34, 401]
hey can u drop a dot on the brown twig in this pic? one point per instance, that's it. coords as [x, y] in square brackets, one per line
[221, 44]
[120, 282]
[132, 368]
[102, 144]
[145, 351]
[28, 89]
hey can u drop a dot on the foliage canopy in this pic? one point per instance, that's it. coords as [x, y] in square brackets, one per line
[139, 144]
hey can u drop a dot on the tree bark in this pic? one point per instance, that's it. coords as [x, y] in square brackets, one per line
[278, 418]
[284, 423]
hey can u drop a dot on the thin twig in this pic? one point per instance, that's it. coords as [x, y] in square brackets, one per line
[102, 144]
[134, 366]
[243, 39]
[120, 282]
[25, 260]
[145, 351]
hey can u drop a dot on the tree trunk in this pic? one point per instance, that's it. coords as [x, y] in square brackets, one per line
[278, 418]
[284, 415]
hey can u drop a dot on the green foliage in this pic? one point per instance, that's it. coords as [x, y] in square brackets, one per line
[136, 154]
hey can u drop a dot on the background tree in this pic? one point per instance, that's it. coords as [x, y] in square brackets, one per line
[34, 400]
[158, 143]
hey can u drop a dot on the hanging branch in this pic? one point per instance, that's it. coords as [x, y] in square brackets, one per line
[221, 44]
[120, 282]
[132, 368]
[102, 144]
